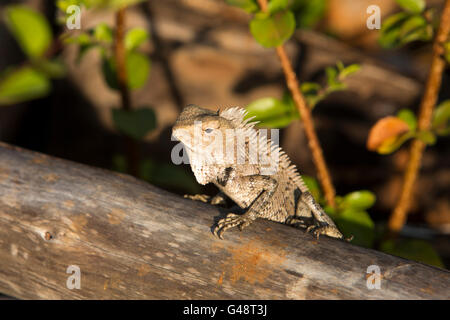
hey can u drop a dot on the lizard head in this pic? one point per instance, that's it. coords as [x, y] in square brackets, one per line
[197, 128]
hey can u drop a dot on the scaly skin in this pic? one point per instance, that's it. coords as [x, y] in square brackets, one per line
[279, 195]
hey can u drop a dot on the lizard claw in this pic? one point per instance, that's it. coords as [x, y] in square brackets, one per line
[232, 220]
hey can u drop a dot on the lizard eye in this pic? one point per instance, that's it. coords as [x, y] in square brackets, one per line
[208, 130]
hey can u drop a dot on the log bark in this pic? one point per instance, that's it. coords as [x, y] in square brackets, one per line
[132, 240]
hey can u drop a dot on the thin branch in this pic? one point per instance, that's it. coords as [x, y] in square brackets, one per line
[131, 146]
[399, 215]
[300, 102]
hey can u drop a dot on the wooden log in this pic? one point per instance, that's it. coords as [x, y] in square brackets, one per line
[131, 240]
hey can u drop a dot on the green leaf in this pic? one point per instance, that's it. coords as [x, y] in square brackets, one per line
[112, 4]
[426, 136]
[332, 74]
[413, 249]
[103, 33]
[135, 123]
[277, 5]
[308, 13]
[64, 4]
[310, 91]
[134, 38]
[416, 6]
[349, 70]
[415, 28]
[409, 117]
[358, 224]
[30, 28]
[313, 186]
[274, 30]
[394, 143]
[358, 200]
[22, 84]
[138, 68]
[52, 68]
[441, 118]
[390, 30]
[271, 112]
[447, 51]
[249, 6]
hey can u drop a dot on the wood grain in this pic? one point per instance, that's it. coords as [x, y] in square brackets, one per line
[134, 241]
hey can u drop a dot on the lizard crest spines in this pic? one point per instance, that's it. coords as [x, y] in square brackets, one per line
[237, 116]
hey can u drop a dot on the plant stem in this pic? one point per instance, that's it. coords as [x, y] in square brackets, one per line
[132, 151]
[429, 99]
[313, 141]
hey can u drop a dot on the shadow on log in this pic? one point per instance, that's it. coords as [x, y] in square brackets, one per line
[131, 240]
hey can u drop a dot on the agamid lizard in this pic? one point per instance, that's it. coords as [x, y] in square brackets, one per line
[272, 189]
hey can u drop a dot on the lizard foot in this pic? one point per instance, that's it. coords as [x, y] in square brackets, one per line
[199, 197]
[327, 230]
[232, 220]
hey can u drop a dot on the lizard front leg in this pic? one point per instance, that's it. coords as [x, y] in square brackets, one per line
[268, 186]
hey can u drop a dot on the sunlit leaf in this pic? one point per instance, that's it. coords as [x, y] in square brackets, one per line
[426, 136]
[273, 30]
[415, 6]
[271, 112]
[384, 135]
[52, 68]
[103, 33]
[248, 5]
[441, 118]
[277, 5]
[138, 68]
[349, 70]
[358, 200]
[18, 85]
[415, 28]
[134, 38]
[30, 28]
[409, 117]
[390, 30]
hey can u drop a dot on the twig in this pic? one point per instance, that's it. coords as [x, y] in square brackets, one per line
[131, 146]
[399, 215]
[313, 141]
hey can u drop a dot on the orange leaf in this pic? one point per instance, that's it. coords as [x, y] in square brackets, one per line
[388, 128]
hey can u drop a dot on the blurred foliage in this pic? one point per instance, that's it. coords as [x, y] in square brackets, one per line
[274, 27]
[161, 174]
[413, 249]
[275, 113]
[390, 133]
[352, 219]
[31, 80]
[134, 123]
[21, 84]
[350, 214]
[412, 24]
[108, 4]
